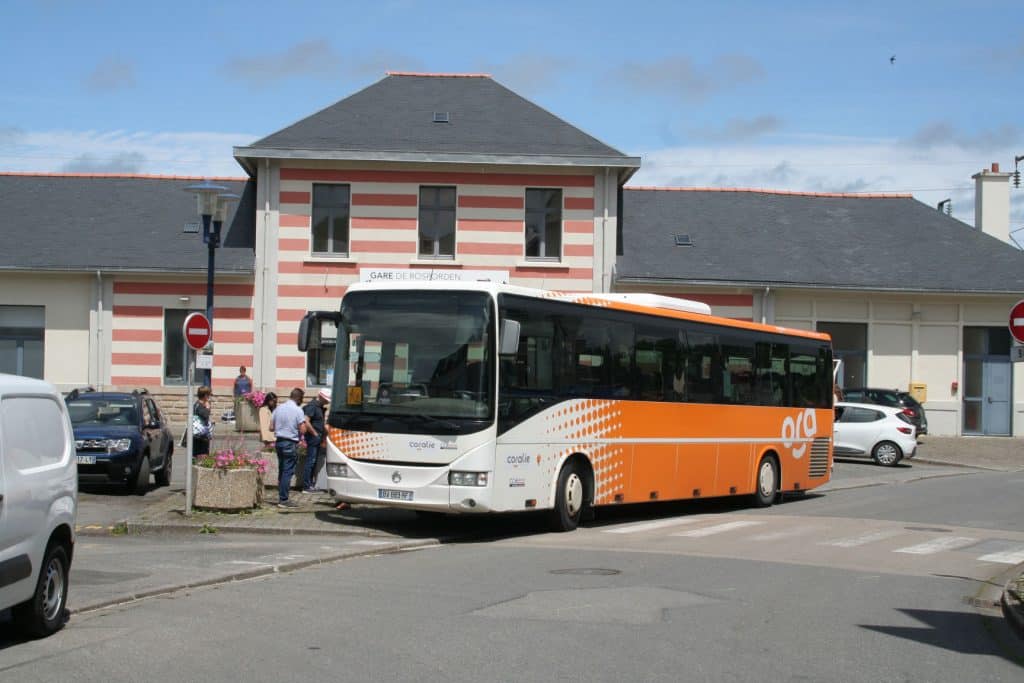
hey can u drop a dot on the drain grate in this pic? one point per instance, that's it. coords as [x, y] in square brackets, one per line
[981, 602]
[587, 571]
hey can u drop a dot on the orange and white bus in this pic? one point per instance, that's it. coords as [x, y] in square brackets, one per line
[486, 397]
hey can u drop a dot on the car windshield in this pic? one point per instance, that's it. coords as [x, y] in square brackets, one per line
[414, 361]
[102, 411]
[910, 400]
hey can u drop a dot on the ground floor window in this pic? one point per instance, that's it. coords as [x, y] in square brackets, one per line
[22, 329]
[176, 350]
[850, 345]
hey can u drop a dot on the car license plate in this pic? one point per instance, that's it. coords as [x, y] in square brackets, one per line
[87, 460]
[393, 494]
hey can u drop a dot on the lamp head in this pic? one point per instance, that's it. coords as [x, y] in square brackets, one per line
[206, 196]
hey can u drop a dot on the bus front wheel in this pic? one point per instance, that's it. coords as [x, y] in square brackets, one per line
[569, 498]
[767, 482]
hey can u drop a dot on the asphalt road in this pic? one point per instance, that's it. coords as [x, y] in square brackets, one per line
[884, 582]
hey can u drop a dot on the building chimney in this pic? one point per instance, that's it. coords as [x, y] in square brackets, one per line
[992, 203]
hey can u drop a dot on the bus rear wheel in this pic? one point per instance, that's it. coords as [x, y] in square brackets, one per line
[569, 498]
[767, 482]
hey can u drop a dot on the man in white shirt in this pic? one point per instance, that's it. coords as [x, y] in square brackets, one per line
[288, 423]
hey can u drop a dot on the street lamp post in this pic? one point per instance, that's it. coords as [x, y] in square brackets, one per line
[212, 209]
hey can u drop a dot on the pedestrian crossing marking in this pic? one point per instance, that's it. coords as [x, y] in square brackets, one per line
[937, 545]
[1009, 556]
[717, 529]
[864, 539]
[647, 526]
[784, 533]
[368, 541]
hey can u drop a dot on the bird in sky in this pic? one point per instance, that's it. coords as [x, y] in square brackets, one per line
[892, 60]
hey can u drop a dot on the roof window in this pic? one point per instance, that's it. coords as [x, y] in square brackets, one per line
[682, 239]
[441, 117]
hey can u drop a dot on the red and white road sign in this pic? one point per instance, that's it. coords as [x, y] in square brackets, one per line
[1017, 321]
[197, 330]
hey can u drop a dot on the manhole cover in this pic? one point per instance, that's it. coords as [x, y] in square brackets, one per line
[587, 571]
[927, 528]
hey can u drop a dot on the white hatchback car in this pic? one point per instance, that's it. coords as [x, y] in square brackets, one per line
[863, 430]
[38, 503]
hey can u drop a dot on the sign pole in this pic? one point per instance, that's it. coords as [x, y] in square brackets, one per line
[190, 402]
[198, 333]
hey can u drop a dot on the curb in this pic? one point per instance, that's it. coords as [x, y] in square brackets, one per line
[947, 463]
[254, 573]
[884, 482]
[1013, 606]
[155, 527]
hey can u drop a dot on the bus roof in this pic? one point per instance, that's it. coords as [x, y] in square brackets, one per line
[636, 302]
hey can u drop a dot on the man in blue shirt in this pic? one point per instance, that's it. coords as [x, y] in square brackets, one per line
[288, 423]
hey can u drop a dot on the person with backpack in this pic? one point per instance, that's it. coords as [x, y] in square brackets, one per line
[202, 426]
[315, 455]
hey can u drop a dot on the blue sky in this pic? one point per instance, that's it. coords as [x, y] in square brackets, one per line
[781, 95]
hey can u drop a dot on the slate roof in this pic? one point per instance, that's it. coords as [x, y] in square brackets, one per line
[117, 222]
[393, 120]
[763, 238]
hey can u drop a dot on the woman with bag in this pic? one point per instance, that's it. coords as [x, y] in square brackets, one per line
[202, 427]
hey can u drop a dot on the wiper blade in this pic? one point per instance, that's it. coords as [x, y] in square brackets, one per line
[445, 424]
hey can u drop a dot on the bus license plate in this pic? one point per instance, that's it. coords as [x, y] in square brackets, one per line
[87, 460]
[393, 494]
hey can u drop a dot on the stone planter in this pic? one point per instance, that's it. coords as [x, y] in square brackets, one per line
[220, 489]
[247, 418]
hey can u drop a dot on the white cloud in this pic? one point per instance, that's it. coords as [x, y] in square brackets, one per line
[833, 165]
[112, 73]
[163, 153]
[679, 76]
[315, 58]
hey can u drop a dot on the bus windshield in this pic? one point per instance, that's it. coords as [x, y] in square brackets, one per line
[415, 361]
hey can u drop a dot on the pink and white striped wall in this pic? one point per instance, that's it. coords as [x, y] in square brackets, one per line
[137, 333]
[490, 235]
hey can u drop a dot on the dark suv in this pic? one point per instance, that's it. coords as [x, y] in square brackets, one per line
[894, 399]
[121, 436]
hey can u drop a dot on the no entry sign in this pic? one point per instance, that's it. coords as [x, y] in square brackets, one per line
[197, 330]
[1017, 321]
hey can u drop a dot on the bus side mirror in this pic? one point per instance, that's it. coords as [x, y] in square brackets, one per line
[310, 328]
[508, 340]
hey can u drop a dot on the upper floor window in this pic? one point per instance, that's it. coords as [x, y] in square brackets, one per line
[437, 222]
[330, 219]
[544, 224]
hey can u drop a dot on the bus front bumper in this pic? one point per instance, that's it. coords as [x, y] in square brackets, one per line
[414, 488]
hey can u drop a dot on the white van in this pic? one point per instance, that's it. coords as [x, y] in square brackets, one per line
[38, 503]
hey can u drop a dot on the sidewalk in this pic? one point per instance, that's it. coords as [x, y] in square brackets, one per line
[315, 513]
[1003, 454]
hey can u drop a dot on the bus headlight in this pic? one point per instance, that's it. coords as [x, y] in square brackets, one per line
[467, 478]
[337, 469]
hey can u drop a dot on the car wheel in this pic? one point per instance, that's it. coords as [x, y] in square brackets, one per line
[886, 453]
[767, 482]
[569, 501]
[163, 477]
[140, 483]
[44, 613]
